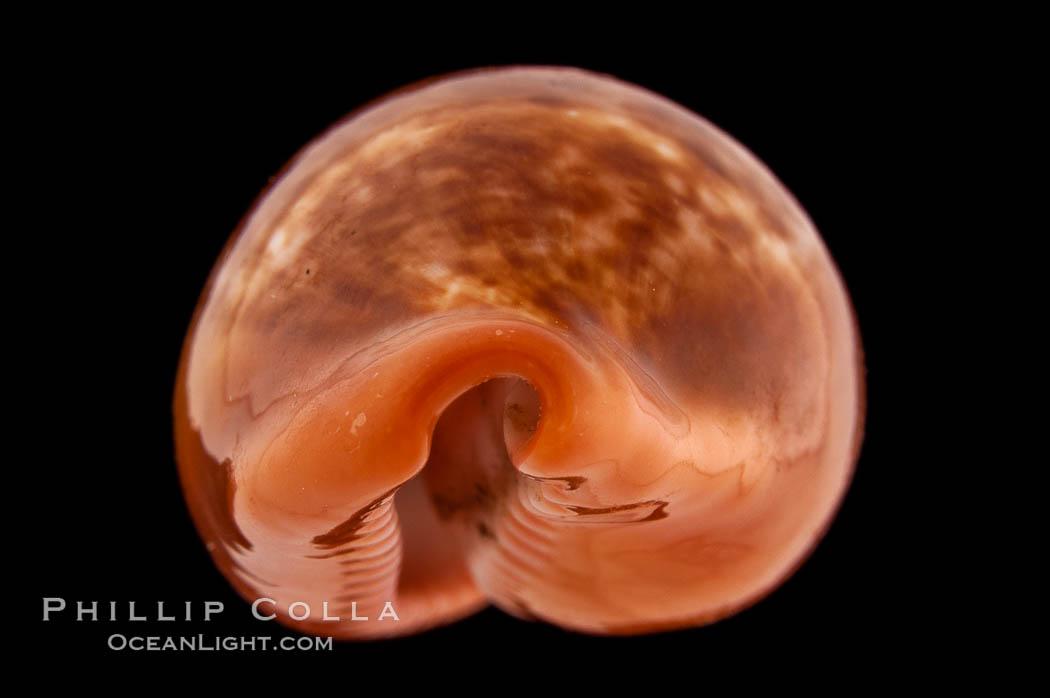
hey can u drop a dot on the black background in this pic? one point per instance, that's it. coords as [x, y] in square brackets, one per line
[146, 159]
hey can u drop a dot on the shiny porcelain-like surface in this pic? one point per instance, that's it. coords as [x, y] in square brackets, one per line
[533, 337]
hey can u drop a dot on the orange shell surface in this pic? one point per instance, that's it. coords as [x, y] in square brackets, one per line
[526, 336]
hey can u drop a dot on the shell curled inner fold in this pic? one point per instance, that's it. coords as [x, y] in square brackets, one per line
[530, 336]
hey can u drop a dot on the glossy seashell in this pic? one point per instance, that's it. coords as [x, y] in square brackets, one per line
[528, 336]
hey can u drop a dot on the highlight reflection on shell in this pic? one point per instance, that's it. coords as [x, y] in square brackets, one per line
[529, 336]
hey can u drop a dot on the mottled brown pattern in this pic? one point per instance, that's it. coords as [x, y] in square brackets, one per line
[539, 183]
